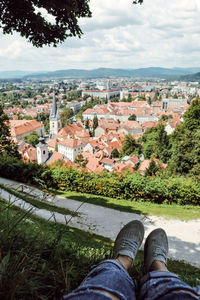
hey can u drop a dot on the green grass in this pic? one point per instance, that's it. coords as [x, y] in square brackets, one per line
[172, 211]
[43, 260]
[40, 204]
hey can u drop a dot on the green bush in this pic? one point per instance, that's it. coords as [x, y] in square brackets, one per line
[16, 169]
[156, 189]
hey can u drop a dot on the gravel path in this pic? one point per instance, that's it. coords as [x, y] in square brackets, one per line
[184, 237]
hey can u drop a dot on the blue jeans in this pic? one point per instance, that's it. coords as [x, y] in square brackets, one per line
[111, 276]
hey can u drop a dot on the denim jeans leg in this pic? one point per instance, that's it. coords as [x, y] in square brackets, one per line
[109, 276]
[164, 285]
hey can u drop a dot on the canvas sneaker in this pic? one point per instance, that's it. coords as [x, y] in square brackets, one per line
[155, 248]
[129, 239]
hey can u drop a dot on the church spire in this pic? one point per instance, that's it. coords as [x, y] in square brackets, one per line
[54, 118]
[54, 109]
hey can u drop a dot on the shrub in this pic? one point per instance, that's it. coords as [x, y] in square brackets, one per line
[157, 189]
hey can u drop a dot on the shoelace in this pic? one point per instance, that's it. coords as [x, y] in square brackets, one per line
[160, 251]
[129, 245]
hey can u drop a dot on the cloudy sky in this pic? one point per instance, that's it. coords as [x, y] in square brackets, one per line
[159, 33]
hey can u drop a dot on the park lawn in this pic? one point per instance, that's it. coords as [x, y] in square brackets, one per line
[169, 211]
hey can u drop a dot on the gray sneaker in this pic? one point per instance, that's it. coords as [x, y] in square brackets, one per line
[129, 239]
[155, 248]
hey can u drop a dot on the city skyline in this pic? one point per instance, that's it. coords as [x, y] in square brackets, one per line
[119, 35]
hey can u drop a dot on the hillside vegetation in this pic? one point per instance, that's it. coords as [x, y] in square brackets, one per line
[43, 260]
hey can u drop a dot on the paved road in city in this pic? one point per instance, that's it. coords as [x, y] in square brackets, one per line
[184, 236]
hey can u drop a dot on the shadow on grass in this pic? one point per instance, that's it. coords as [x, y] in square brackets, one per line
[103, 201]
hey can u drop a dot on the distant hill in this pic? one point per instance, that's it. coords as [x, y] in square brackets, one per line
[109, 72]
[191, 77]
[151, 72]
[14, 74]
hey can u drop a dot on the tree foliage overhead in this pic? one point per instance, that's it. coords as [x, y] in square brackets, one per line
[31, 18]
[25, 17]
[138, 1]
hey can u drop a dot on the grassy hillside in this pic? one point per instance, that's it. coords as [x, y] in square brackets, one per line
[169, 211]
[43, 260]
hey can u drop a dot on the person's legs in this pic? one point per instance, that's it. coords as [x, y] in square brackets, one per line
[110, 279]
[159, 283]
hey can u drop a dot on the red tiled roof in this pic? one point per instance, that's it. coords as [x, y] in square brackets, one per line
[149, 124]
[93, 165]
[120, 167]
[131, 125]
[71, 130]
[28, 152]
[108, 161]
[19, 127]
[133, 158]
[55, 156]
[82, 134]
[145, 164]
[71, 143]
[116, 145]
[52, 143]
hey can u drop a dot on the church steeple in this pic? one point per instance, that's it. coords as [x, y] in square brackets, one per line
[54, 109]
[54, 118]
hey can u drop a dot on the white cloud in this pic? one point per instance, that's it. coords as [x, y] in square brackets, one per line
[11, 51]
[157, 33]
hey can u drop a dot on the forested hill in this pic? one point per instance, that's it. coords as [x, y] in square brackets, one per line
[109, 72]
[154, 72]
[191, 77]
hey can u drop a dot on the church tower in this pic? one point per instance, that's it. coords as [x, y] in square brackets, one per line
[42, 151]
[54, 118]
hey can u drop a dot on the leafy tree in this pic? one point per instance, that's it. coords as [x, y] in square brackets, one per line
[32, 139]
[167, 95]
[81, 161]
[7, 146]
[65, 115]
[152, 169]
[115, 99]
[25, 17]
[44, 118]
[129, 98]
[149, 100]
[129, 145]
[115, 153]
[185, 143]
[148, 149]
[164, 118]
[87, 124]
[73, 95]
[186, 154]
[192, 116]
[175, 96]
[132, 117]
[95, 122]
[156, 143]
[156, 95]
